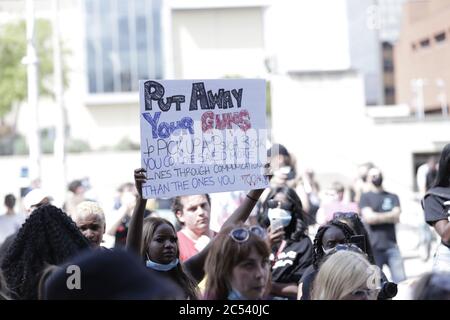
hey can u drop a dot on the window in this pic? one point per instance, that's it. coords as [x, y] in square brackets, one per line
[123, 44]
[425, 43]
[389, 91]
[388, 65]
[440, 37]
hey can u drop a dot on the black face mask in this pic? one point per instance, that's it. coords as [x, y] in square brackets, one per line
[377, 181]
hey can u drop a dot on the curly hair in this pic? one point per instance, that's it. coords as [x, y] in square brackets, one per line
[48, 236]
[353, 220]
[317, 246]
[4, 292]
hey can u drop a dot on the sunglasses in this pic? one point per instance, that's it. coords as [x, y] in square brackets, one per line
[242, 234]
[349, 215]
[346, 247]
[272, 204]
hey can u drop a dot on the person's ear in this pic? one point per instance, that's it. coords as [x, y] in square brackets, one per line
[180, 216]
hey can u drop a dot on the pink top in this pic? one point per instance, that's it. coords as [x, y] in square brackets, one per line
[186, 246]
[335, 206]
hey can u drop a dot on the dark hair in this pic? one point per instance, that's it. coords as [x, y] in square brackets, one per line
[278, 149]
[338, 187]
[177, 274]
[178, 206]
[74, 185]
[368, 166]
[48, 236]
[443, 175]
[10, 201]
[353, 220]
[318, 253]
[297, 227]
[4, 291]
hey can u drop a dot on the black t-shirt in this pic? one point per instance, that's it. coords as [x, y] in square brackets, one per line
[382, 236]
[434, 207]
[290, 264]
[307, 282]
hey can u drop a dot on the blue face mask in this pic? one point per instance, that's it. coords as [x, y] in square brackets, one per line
[235, 295]
[280, 214]
[161, 267]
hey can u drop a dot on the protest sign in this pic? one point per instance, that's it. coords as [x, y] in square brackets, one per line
[202, 136]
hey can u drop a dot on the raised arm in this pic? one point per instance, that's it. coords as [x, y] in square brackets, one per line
[134, 236]
[442, 227]
[195, 264]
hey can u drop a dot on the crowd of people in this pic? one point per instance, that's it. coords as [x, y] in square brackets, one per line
[281, 243]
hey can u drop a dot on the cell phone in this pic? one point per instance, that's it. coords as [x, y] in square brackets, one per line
[275, 224]
[360, 241]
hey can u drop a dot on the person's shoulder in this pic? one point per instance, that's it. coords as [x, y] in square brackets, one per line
[431, 200]
[182, 237]
[300, 246]
[181, 234]
[440, 192]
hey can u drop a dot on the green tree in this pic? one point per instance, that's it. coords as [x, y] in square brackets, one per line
[13, 74]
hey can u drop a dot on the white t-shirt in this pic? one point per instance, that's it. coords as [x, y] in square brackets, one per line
[9, 224]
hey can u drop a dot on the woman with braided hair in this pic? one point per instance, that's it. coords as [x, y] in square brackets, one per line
[48, 237]
[328, 236]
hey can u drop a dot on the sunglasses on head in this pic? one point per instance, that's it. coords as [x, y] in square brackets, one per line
[350, 215]
[346, 247]
[242, 234]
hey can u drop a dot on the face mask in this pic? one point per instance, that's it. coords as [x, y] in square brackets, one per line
[161, 267]
[327, 251]
[377, 181]
[235, 295]
[280, 214]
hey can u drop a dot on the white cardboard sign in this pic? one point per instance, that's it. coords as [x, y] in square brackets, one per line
[202, 136]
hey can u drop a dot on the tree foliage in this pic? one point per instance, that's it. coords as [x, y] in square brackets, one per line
[13, 73]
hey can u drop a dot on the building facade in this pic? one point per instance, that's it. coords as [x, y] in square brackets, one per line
[422, 55]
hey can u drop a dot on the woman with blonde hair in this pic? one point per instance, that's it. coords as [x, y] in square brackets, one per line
[346, 275]
[237, 266]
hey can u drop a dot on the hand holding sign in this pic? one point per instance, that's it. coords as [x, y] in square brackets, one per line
[139, 180]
